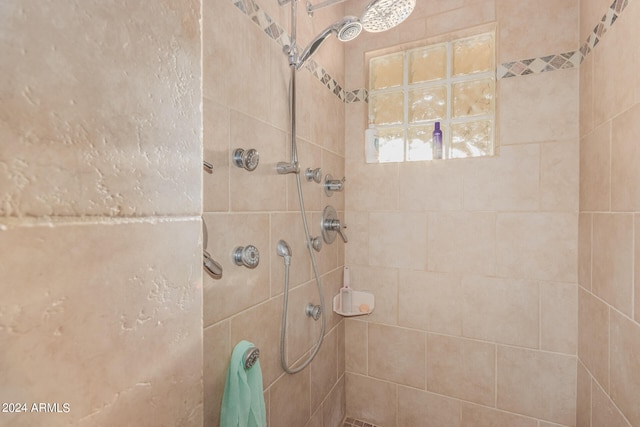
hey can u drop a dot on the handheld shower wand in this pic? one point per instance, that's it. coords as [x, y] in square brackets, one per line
[348, 28]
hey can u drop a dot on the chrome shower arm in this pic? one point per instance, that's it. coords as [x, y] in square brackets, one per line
[312, 7]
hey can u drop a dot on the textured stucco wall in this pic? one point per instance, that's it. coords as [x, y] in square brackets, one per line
[100, 203]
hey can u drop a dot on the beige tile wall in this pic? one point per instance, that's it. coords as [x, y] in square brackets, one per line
[473, 261]
[103, 148]
[245, 105]
[100, 197]
[609, 333]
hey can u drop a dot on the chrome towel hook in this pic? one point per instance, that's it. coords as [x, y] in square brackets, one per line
[250, 357]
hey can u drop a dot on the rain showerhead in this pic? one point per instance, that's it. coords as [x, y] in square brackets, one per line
[382, 15]
[346, 29]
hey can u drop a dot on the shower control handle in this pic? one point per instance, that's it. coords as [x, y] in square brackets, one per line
[336, 225]
[246, 159]
[313, 175]
[331, 226]
[331, 185]
[249, 256]
[344, 236]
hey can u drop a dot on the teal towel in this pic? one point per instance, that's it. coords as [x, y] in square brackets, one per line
[243, 399]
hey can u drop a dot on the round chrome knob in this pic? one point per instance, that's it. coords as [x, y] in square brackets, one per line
[313, 311]
[249, 256]
[313, 175]
[247, 159]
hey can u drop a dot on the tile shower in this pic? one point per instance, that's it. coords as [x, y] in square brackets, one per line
[501, 304]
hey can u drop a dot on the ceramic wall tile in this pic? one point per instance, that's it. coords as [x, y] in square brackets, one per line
[625, 357]
[537, 246]
[593, 336]
[417, 407]
[290, 400]
[240, 287]
[356, 344]
[472, 15]
[613, 260]
[501, 310]
[394, 244]
[480, 416]
[524, 376]
[559, 176]
[438, 187]
[625, 157]
[454, 361]
[536, 29]
[583, 401]
[397, 355]
[559, 317]
[324, 371]
[462, 242]
[603, 411]
[261, 189]
[584, 250]
[595, 169]
[558, 91]
[249, 325]
[216, 354]
[501, 183]
[614, 95]
[371, 400]
[430, 302]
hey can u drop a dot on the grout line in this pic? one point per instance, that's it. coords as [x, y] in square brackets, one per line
[539, 315]
[495, 376]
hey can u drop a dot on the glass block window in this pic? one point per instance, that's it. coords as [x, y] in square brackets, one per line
[451, 82]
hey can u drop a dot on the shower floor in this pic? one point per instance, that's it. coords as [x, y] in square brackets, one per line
[351, 422]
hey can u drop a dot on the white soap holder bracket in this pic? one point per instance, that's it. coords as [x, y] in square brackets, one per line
[362, 302]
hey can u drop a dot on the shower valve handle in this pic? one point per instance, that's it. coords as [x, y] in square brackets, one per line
[331, 185]
[336, 225]
[331, 225]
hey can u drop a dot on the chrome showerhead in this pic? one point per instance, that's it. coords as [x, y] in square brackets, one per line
[382, 15]
[349, 29]
[346, 29]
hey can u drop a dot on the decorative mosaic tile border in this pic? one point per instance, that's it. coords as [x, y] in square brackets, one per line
[539, 65]
[351, 422]
[521, 67]
[603, 26]
[564, 60]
